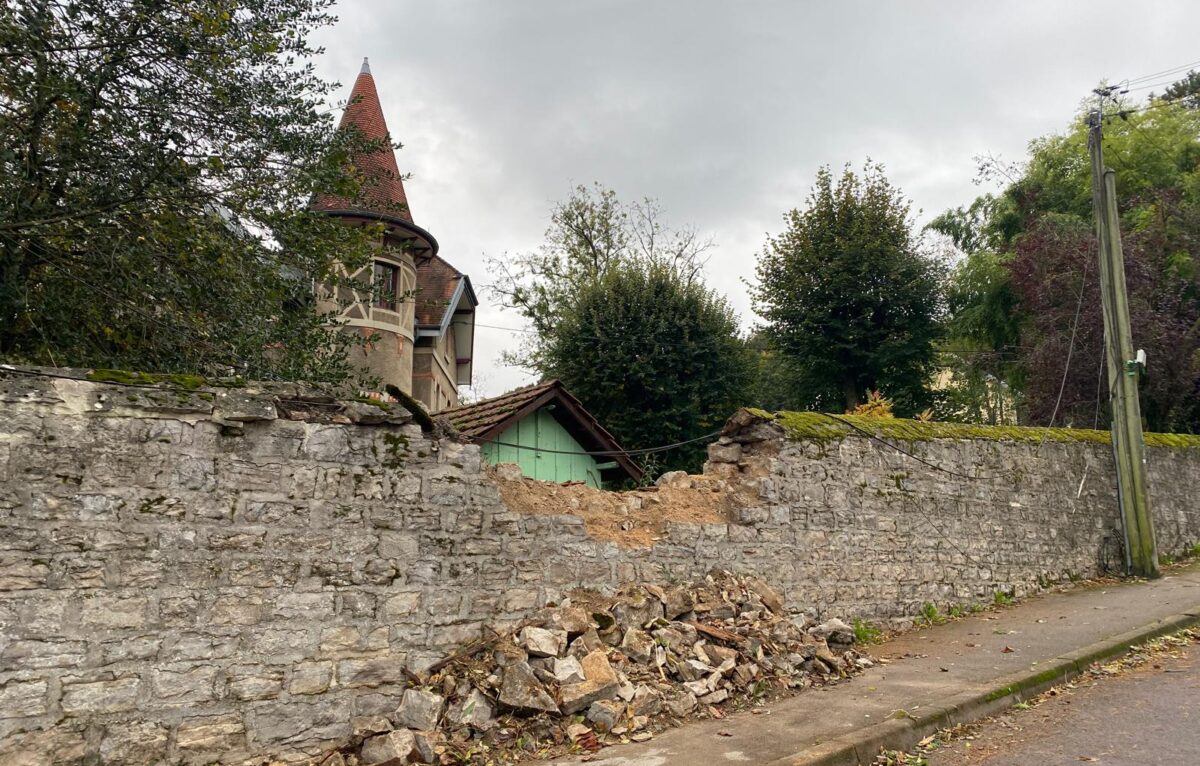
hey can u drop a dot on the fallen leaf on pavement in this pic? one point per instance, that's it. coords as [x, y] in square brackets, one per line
[1007, 650]
[724, 734]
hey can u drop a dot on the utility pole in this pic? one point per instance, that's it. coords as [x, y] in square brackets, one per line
[1129, 448]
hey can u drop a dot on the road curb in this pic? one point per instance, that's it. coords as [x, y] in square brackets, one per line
[861, 747]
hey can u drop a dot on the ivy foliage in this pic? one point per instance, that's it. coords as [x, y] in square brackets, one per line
[849, 298]
[157, 160]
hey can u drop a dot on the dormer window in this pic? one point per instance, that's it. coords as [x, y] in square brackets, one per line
[387, 285]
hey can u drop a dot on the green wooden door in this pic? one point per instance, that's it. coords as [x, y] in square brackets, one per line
[544, 450]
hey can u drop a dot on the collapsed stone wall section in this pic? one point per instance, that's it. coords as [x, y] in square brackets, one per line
[213, 575]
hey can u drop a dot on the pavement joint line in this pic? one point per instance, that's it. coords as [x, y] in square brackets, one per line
[982, 700]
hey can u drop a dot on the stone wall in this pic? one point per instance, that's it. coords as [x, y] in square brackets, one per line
[194, 576]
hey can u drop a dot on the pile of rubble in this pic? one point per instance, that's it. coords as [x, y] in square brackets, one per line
[594, 670]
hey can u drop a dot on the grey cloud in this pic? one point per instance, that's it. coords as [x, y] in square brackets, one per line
[721, 110]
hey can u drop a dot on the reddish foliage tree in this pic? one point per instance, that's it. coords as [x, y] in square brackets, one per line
[1055, 275]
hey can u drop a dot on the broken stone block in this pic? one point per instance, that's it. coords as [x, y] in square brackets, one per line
[646, 701]
[674, 480]
[724, 453]
[473, 710]
[606, 714]
[834, 631]
[572, 619]
[692, 670]
[677, 601]
[508, 653]
[718, 654]
[395, 746]
[426, 744]
[508, 472]
[586, 643]
[637, 645]
[637, 611]
[241, 407]
[681, 705]
[568, 670]
[540, 642]
[601, 683]
[419, 710]
[712, 698]
[520, 689]
[745, 673]
[364, 726]
[698, 688]
[828, 658]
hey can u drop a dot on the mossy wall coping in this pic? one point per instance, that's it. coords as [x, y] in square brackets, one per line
[819, 427]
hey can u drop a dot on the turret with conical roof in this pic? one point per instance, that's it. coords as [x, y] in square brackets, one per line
[382, 196]
[405, 267]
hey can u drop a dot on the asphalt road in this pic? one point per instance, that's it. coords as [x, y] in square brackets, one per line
[1142, 717]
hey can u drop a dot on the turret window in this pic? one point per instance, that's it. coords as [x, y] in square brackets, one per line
[387, 285]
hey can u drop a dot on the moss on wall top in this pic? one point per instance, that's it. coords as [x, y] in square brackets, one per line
[819, 427]
[126, 378]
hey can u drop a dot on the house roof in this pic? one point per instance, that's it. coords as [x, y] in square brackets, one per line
[438, 283]
[383, 187]
[487, 419]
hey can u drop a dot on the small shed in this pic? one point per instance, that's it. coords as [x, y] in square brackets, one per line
[548, 433]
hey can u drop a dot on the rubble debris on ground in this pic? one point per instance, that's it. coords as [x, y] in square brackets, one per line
[595, 670]
[636, 518]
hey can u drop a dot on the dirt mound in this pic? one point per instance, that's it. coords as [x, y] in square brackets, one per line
[635, 519]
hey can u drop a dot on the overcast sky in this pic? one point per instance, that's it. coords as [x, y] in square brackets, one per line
[723, 111]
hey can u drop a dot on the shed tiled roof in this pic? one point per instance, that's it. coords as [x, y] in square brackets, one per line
[486, 419]
[383, 187]
[436, 282]
[477, 419]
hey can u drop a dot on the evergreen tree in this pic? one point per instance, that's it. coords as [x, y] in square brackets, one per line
[848, 298]
[621, 316]
[656, 358]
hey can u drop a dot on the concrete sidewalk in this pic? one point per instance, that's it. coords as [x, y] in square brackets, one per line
[952, 673]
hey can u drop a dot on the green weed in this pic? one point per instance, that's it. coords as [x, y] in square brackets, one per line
[931, 614]
[865, 633]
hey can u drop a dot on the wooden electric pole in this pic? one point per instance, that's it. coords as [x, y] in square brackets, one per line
[1129, 448]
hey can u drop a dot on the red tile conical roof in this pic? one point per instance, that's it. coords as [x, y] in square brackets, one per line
[383, 189]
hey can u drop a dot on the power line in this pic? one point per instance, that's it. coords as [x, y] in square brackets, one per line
[1070, 351]
[1164, 72]
[605, 453]
[902, 451]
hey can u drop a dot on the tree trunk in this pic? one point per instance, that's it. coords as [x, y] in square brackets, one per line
[850, 391]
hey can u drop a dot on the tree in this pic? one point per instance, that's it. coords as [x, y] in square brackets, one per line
[772, 374]
[620, 314]
[589, 234]
[1186, 90]
[848, 297]
[156, 164]
[978, 353]
[654, 356]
